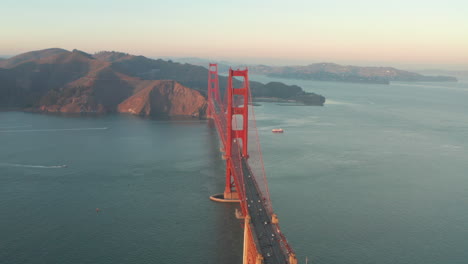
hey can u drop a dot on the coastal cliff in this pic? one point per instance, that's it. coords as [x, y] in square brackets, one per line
[165, 98]
[60, 81]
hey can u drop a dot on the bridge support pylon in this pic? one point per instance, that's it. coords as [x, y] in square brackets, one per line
[213, 87]
[263, 240]
[237, 120]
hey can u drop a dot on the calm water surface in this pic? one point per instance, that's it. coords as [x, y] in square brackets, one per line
[378, 175]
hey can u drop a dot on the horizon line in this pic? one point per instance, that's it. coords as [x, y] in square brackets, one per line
[276, 61]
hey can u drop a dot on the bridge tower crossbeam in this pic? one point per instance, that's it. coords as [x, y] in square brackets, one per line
[237, 117]
[213, 87]
[263, 241]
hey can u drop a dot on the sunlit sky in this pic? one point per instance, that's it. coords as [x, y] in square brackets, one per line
[430, 33]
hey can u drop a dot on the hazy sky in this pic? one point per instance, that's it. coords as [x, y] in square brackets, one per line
[406, 32]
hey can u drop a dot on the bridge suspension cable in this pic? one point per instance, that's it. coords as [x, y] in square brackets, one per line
[246, 182]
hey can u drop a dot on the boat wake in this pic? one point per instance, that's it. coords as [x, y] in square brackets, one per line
[333, 102]
[54, 130]
[11, 127]
[33, 166]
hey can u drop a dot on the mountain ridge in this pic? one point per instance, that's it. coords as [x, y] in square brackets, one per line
[326, 71]
[61, 81]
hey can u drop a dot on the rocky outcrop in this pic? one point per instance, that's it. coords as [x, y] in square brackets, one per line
[61, 81]
[165, 98]
[76, 105]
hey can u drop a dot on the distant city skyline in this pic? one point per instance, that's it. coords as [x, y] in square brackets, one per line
[405, 34]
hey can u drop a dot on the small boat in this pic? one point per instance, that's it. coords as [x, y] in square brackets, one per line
[277, 130]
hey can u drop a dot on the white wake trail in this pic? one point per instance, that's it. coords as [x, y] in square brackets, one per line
[10, 127]
[54, 130]
[33, 166]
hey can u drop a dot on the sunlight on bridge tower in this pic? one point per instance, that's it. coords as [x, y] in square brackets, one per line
[213, 86]
[237, 126]
[264, 243]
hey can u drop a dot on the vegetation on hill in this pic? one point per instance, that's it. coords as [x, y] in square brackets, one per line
[56, 80]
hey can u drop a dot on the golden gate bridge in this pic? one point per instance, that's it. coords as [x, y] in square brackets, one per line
[246, 184]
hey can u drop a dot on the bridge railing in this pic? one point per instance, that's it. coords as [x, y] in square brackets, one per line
[256, 159]
[219, 117]
[236, 158]
[283, 242]
[217, 109]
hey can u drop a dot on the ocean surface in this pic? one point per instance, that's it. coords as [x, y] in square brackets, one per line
[378, 175]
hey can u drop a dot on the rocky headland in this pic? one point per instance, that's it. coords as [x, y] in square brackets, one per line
[60, 81]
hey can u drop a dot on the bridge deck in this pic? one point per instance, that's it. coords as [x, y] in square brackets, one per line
[266, 232]
[268, 239]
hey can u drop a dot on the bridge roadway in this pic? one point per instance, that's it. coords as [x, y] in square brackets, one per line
[266, 232]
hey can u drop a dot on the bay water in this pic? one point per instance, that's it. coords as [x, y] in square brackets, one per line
[377, 175]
